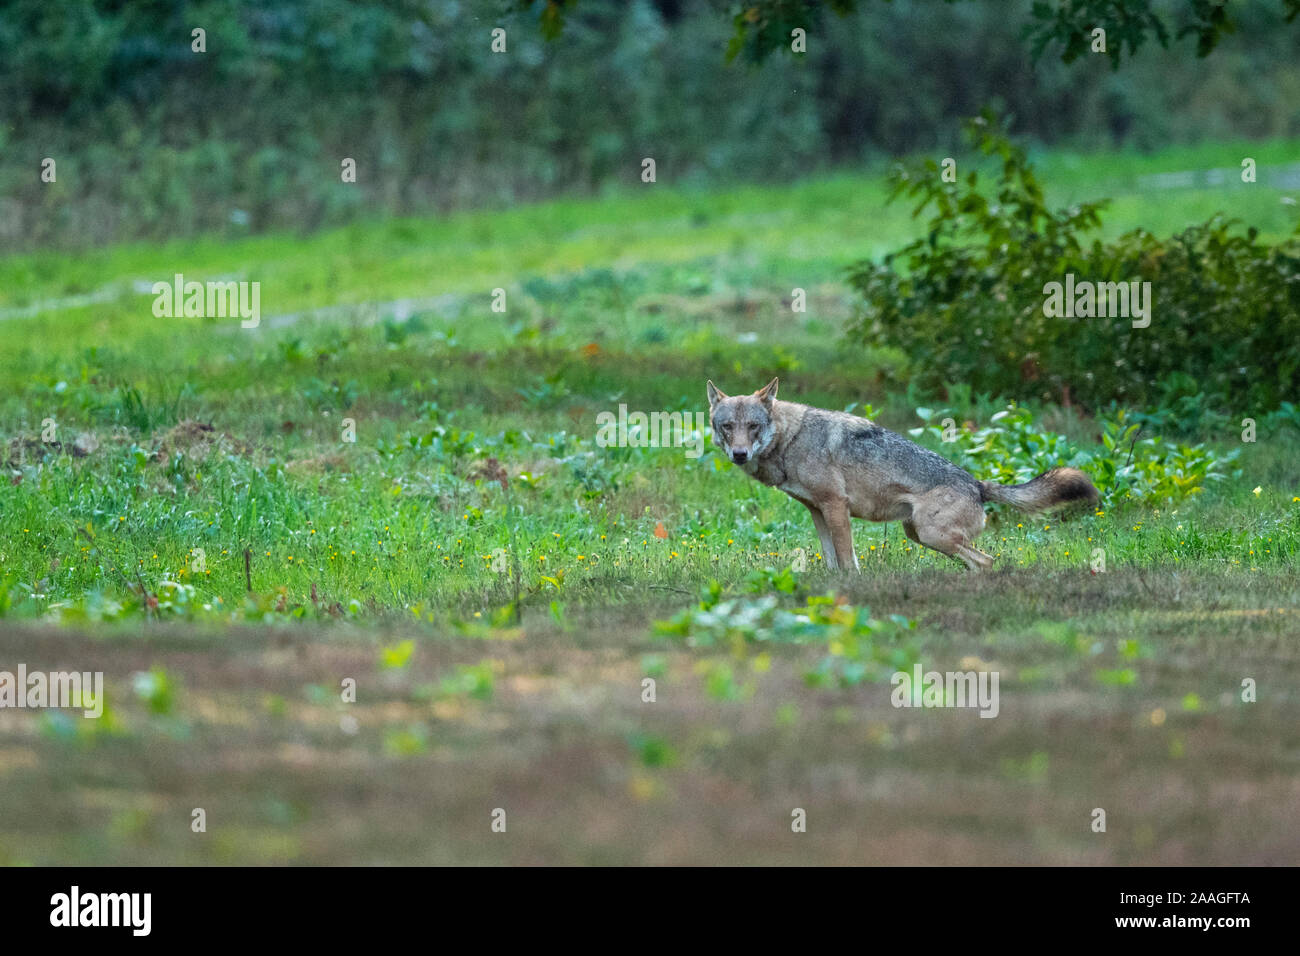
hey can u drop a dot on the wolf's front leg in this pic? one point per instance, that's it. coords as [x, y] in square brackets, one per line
[836, 514]
[823, 534]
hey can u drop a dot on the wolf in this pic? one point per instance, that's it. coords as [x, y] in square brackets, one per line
[840, 466]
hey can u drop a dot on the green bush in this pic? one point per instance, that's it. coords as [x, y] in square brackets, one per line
[966, 301]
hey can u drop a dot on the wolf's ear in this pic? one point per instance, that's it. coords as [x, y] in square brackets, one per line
[715, 394]
[767, 394]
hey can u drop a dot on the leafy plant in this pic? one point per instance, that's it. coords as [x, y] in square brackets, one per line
[156, 688]
[966, 301]
[859, 647]
[1012, 449]
[653, 751]
[471, 680]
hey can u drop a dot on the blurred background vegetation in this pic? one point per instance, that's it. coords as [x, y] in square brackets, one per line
[153, 140]
[184, 495]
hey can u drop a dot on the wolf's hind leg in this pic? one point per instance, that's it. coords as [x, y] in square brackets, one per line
[909, 529]
[949, 528]
[975, 559]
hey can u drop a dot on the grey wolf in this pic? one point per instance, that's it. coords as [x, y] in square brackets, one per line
[840, 466]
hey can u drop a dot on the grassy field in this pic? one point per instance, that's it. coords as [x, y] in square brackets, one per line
[185, 512]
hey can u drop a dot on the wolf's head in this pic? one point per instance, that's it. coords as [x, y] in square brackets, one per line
[742, 424]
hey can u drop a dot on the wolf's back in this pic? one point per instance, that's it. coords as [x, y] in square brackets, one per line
[1052, 488]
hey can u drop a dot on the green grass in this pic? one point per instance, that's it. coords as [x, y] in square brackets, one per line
[522, 665]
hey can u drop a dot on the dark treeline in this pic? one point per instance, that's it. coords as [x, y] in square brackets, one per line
[152, 139]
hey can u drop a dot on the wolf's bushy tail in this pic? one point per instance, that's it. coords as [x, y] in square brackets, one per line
[1059, 486]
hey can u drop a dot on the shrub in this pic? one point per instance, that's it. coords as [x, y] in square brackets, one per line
[966, 301]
